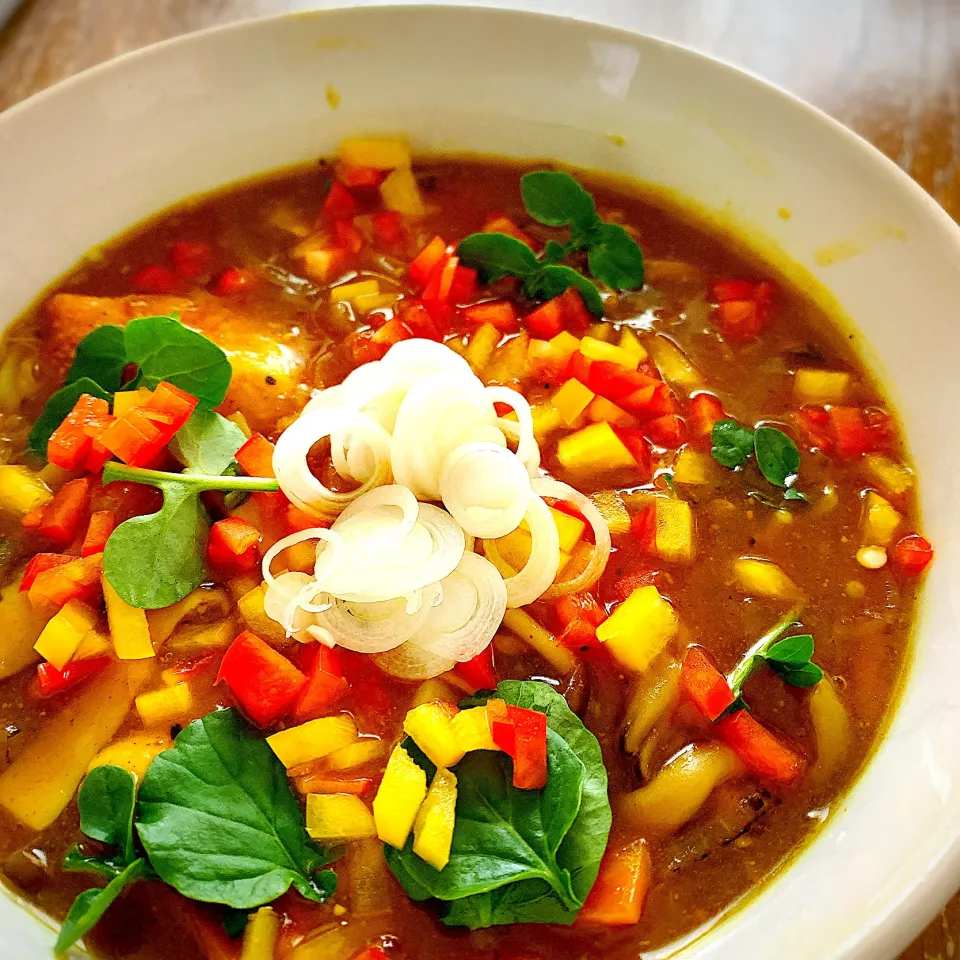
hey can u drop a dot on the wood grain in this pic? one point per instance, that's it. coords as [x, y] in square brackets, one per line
[890, 69]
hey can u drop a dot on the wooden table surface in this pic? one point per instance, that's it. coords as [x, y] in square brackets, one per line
[890, 69]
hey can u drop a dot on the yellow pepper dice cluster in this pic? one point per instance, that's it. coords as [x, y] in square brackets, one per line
[639, 629]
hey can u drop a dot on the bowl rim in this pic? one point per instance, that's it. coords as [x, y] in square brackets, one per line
[905, 912]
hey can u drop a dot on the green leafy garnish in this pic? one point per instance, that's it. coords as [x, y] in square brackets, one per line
[558, 200]
[101, 356]
[776, 454]
[732, 444]
[57, 408]
[519, 856]
[156, 560]
[207, 443]
[219, 821]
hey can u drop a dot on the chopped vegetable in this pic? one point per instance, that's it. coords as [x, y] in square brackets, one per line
[639, 629]
[312, 740]
[594, 449]
[430, 727]
[763, 578]
[129, 629]
[618, 896]
[912, 554]
[159, 708]
[338, 819]
[879, 520]
[433, 828]
[64, 632]
[398, 800]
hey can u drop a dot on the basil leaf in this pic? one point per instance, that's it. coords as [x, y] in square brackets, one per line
[793, 650]
[805, 676]
[207, 443]
[614, 257]
[56, 410]
[777, 455]
[551, 280]
[220, 823]
[164, 349]
[732, 444]
[91, 905]
[106, 801]
[101, 356]
[496, 255]
[556, 199]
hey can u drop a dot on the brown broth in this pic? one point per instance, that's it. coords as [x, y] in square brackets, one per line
[745, 831]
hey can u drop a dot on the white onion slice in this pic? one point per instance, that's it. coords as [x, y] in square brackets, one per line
[541, 567]
[486, 489]
[294, 445]
[548, 487]
[528, 450]
[372, 627]
[419, 358]
[464, 623]
[280, 603]
[410, 662]
[331, 556]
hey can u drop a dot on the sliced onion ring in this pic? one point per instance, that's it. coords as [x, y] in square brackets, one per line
[541, 567]
[372, 627]
[548, 487]
[280, 603]
[528, 450]
[410, 662]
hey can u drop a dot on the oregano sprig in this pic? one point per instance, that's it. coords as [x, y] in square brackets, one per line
[776, 454]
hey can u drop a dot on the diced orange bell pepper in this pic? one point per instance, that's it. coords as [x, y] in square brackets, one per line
[703, 683]
[256, 457]
[620, 891]
[40, 562]
[65, 515]
[77, 580]
[339, 203]
[850, 431]
[102, 524]
[170, 400]
[478, 673]
[705, 411]
[233, 544]
[70, 443]
[500, 313]
[424, 263]
[760, 750]
[499, 223]
[522, 735]
[326, 684]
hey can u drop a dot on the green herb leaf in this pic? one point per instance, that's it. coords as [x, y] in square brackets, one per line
[804, 676]
[553, 252]
[207, 443]
[220, 823]
[732, 444]
[792, 493]
[793, 651]
[106, 801]
[56, 410]
[551, 280]
[556, 199]
[164, 349]
[777, 456]
[496, 255]
[614, 257]
[758, 652]
[101, 356]
[91, 905]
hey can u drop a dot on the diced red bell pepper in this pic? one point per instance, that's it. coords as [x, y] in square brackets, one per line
[347, 236]
[51, 681]
[851, 436]
[503, 732]
[478, 673]
[643, 526]
[440, 282]
[233, 545]
[634, 391]
[134, 438]
[578, 368]
[814, 424]
[912, 554]
[705, 411]
[580, 606]
[172, 402]
[426, 260]
[499, 313]
[618, 896]
[639, 446]
[77, 580]
[326, 684]
[371, 953]
[761, 751]
[66, 514]
[546, 321]
[578, 636]
[763, 296]
[339, 203]
[703, 683]
[388, 227]
[725, 290]
[155, 278]
[264, 683]
[420, 321]
[625, 585]
[529, 742]
[256, 457]
[880, 426]
[40, 562]
[190, 669]
[739, 320]
[360, 178]
[464, 286]
[191, 259]
[576, 317]
[362, 348]
[32, 518]
[498, 223]
[102, 524]
[393, 331]
[70, 443]
[127, 500]
[233, 281]
[666, 431]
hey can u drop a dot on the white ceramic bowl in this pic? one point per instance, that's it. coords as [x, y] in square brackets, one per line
[85, 160]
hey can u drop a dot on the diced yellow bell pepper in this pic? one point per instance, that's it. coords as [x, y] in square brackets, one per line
[357, 754]
[602, 410]
[134, 753]
[261, 935]
[892, 478]
[639, 629]
[255, 617]
[95, 643]
[129, 630]
[375, 152]
[321, 264]
[674, 532]
[314, 739]
[159, 707]
[430, 726]
[127, 400]
[510, 360]
[565, 344]
[540, 639]
[571, 400]
[199, 606]
[350, 291]
[398, 800]
[434, 689]
[569, 529]
[763, 578]
[240, 421]
[602, 330]
[373, 301]
[599, 350]
[433, 829]
[200, 639]
[613, 510]
[674, 365]
[594, 449]
[879, 521]
[401, 193]
[21, 490]
[693, 467]
[338, 818]
[820, 386]
[482, 344]
[509, 554]
[64, 633]
[22, 626]
[546, 419]
[633, 346]
[471, 729]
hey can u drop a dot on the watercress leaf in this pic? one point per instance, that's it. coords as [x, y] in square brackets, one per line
[91, 905]
[553, 252]
[614, 257]
[792, 493]
[77, 862]
[156, 560]
[732, 444]
[777, 455]
[792, 650]
[106, 801]
[56, 410]
[101, 356]
[554, 278]
[220, 823]
[496, 255]
[556, 199]
[207, 443]
[805, 676]
[164, 349]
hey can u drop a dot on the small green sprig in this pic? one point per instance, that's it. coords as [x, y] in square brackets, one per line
[776, 454]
